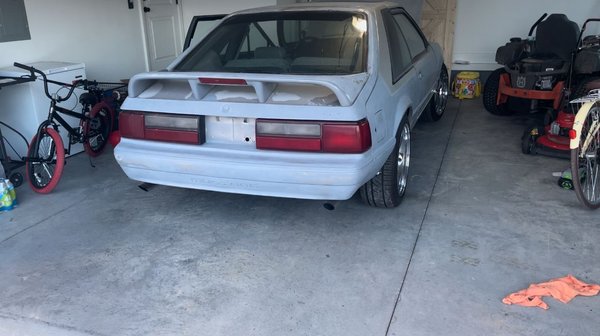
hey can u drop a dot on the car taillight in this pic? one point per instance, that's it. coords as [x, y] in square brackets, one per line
[184, 123]
[313, 136]
[162, 127]
[131, 124]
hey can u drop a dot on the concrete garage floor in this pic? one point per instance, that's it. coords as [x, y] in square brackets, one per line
[101, 257]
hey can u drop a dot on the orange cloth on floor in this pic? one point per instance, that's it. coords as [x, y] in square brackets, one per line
[563, 289]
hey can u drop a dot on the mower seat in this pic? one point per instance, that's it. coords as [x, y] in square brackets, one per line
[531, 64]
[556, 38]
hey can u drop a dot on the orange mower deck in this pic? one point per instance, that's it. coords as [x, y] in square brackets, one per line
[505, 90]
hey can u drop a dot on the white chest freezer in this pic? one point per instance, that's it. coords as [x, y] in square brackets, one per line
[25, 106]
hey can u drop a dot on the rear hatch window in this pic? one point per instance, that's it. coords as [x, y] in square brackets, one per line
[323, 42]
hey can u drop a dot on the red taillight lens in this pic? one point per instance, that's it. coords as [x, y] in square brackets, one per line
[171, 135]
[162, 127]
[288, 143]
[313, 136]
[347, 138]
[131, 124]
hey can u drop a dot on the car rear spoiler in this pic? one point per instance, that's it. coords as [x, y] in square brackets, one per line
[346, 87]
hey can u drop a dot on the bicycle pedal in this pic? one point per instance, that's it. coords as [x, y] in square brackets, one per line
[37, 177]
[75, 139]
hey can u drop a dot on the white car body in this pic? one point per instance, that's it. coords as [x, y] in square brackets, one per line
[228, 160]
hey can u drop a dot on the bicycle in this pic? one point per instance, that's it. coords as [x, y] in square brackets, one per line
[102, 98]
[6, 163]
[45, 159]
[585, 149]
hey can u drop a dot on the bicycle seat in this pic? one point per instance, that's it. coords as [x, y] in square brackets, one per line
[88, 99]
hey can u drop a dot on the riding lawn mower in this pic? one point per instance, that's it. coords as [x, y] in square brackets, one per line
[540, 75]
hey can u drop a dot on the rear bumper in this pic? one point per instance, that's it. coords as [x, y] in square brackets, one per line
[249, 171]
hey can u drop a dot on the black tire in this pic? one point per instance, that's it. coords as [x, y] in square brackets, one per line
[437, 104]
[387, 188]
[529, 139]
[16, 179]
[580, 88]
[46, 160]
[584, 166]
[490, 94]
[97, 129]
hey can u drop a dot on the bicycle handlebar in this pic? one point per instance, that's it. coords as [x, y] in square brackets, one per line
[32, 75]
[589, 20]
[583, 28]
[23, 66]
[89, 83]
[58, 98]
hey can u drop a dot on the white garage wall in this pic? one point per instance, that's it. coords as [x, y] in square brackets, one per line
[108, 37]
[484, 25]
[105, 35]
[195, 7]
[413, 7]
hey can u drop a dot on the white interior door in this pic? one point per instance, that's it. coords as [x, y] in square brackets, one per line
[163, 31]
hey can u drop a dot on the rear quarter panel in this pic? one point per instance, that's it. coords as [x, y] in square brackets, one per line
[390, 100]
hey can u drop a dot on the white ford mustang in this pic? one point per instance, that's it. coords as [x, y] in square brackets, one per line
[310, 101]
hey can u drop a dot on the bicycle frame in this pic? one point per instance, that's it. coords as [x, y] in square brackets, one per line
[585, 163]
[54, 116]
[588, 102]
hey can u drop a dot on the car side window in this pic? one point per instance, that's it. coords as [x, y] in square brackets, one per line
[415, 41]
[200, 27]
[400, 57]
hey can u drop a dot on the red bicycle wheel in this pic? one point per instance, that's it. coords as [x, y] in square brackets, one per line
[46, 160]
[97, 129]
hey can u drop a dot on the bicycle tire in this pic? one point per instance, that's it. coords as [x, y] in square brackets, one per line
[44, 176]
[97, 130]
[585, 167]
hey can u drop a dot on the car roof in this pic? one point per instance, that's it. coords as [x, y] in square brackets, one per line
[345, 6]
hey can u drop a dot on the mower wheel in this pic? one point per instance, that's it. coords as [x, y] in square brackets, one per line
[529, 139]
[490, 94]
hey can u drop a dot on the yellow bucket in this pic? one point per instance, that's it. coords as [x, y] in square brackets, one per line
[466, 85]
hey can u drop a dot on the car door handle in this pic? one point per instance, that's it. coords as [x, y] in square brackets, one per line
[420, 75]
[146, 9]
